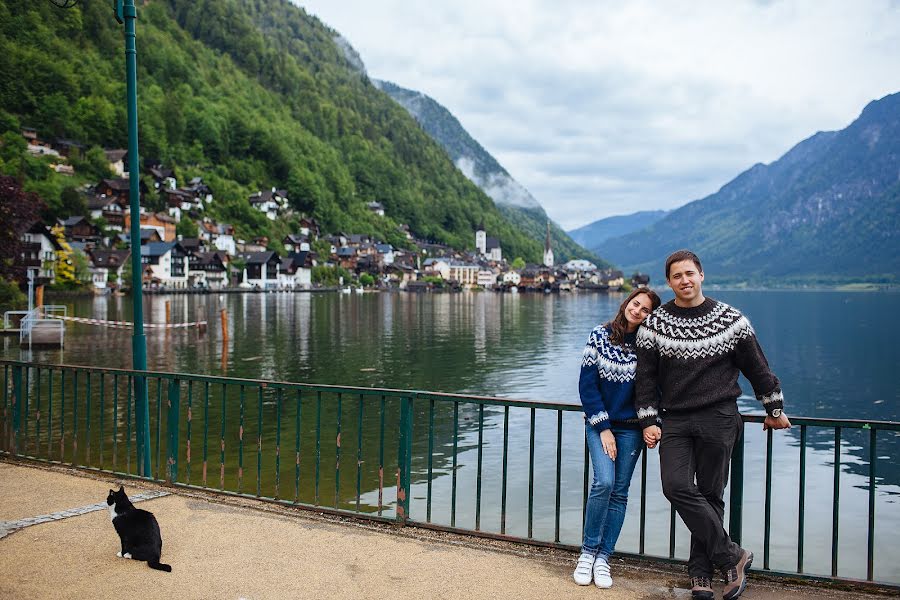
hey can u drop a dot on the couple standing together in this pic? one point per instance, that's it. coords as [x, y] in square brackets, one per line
[668, 375]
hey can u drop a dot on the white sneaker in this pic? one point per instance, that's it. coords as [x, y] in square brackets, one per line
[602, 577]
[582, 574]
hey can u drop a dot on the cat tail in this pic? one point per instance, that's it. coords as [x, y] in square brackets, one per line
[155, 564]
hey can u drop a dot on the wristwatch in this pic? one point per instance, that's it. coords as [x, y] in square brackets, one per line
[776, 412]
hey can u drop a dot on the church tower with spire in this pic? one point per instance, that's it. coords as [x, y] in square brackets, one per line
[548, 251]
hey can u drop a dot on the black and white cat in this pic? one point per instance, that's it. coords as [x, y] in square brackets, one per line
[137, 529]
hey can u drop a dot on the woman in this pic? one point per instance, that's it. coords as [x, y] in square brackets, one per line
[614, 437]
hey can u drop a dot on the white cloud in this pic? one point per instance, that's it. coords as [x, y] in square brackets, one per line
[601, 108]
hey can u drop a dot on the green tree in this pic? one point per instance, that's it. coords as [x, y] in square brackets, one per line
[518, 264]
[187, 228]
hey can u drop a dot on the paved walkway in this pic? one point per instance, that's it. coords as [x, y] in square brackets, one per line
[61, 546]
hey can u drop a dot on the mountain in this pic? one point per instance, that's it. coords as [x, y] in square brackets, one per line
[249, 95]
[594, 234]
[512, 199]
[828, 211]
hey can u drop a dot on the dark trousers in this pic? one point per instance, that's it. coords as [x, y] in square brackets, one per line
[698, 444]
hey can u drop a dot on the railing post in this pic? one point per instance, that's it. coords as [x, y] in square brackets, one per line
[404, 459]
[172, 425]
[736, 495]
[17, 406]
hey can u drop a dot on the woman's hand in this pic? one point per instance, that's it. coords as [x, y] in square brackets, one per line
[652, 435]
[609, 443]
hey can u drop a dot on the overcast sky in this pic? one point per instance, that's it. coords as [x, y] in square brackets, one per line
[603, 108]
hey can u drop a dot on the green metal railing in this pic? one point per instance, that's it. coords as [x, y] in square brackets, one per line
[341, 441]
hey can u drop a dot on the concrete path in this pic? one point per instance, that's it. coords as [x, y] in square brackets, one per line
[237, 549]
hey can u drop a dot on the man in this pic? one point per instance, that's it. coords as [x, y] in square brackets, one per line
[690, 353]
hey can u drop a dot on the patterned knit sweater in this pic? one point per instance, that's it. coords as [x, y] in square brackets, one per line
[606, 383]
[693, 356]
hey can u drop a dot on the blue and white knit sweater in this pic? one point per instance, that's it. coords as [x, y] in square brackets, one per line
[606, 384]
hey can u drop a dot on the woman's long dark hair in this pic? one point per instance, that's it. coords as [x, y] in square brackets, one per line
[618, 325]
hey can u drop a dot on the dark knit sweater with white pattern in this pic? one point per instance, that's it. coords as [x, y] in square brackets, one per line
[693, 357]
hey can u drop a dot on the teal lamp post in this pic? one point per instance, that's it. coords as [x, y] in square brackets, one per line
[126, 13]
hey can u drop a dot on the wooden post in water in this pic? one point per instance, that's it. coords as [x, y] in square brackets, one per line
[223, 315]
[39, 296]
[168, 312]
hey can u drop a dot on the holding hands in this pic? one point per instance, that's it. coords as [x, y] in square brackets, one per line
[652, 435]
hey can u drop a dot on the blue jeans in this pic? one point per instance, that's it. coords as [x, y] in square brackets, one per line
[608, 497]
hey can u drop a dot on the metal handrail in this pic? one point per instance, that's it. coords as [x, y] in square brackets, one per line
[60, 413]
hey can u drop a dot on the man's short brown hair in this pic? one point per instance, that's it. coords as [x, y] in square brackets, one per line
[681, 255]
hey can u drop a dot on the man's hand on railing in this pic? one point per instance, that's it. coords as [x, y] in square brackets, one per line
[779, 422]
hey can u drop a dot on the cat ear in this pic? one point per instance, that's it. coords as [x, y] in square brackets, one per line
[111, 492]
[121, 488]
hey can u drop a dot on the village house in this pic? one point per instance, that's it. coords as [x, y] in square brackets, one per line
[511, 278]
[437, 267]
[272, 202]
[37, 146]
[295, 271]
[80, 229]
[640, 280]
[385, 253]
[119, 188]
[108, 208]
[376, 207]
[262, 269]
[165, 264]
[579, 265]
[163, 178]
[399, 275]
[208, 270]
[68, 148]
[38, 251]
[117, 160]
[220, 235]
[296, 242]
[466, 274]
[161, 222]
[309, 227]
[346, 258]
[614, 279]
[486, 278]
[107, 267]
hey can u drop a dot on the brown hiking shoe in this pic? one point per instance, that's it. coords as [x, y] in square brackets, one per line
[701, 587]
[736, 577]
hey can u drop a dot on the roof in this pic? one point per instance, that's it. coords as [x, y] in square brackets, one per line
[384, 248]
[41, 229]
[157, 248]
[209, 258]
[345, 251]
[72, 221]
[295, 238]
[115, 155]
[109, 258]
[120, 184]
[258, 258]
[491, 243]
[100, 202]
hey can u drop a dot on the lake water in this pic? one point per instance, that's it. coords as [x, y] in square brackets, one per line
[835, 353]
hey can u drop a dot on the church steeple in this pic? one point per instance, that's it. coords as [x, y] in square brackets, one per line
[548, 251]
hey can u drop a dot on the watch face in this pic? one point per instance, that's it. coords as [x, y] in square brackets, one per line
[776, 413]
